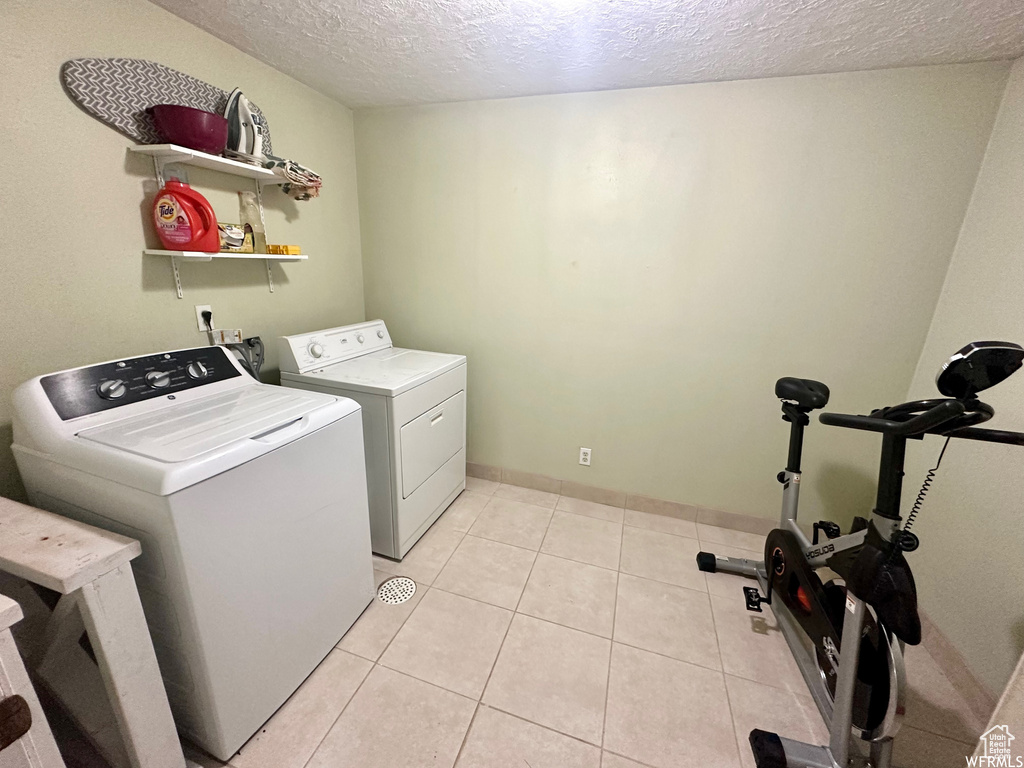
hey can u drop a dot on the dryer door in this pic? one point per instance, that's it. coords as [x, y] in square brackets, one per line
[428, 441]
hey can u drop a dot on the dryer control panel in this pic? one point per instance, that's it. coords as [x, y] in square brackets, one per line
[307, 352]
[95, 388]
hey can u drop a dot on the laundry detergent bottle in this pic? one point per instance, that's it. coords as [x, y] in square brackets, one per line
[184, 219]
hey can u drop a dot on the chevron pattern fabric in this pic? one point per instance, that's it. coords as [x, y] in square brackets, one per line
[118, 91]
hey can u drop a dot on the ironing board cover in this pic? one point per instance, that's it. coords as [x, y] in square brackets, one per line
[118, 91]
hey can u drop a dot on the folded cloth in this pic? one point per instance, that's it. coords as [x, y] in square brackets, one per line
[300, 182]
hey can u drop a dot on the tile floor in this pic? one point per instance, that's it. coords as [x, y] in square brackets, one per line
[551, 632]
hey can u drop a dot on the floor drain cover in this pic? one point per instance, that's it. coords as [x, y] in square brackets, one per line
[397, 590]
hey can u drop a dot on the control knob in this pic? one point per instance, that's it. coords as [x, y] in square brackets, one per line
[197, 370]
[380, 334]
[315, 349]
[359, 338]
[111, 389]
[158, 379]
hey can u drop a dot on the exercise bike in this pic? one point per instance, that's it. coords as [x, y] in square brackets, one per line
[848, 634]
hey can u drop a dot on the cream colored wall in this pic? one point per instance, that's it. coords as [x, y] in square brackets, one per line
[631, 271]
[1010, 709]
[970, 568]
[76, 288]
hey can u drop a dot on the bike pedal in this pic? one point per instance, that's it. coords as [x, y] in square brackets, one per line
[830, 529]
[754, 599]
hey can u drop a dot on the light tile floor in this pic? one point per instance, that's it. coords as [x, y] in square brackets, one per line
[556, 633]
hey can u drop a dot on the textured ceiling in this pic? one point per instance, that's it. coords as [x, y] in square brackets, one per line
[384, 52]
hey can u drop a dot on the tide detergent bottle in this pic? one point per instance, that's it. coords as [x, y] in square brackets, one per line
[184, 219]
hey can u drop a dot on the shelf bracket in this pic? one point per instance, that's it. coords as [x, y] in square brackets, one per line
[158, 168]
[172, 167]
[177, 276]
[263, 225]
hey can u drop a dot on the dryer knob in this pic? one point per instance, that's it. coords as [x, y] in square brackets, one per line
[197, 370]
[111, 389]
[380, 334]
[158, 379]
[359, 338]
[315, 350]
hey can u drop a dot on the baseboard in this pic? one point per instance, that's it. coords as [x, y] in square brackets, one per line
[978, 697]
[635, 501]
[483, 472]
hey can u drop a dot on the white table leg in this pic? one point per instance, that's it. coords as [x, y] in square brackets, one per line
[65, 626]
[117, 629]
[37, 746]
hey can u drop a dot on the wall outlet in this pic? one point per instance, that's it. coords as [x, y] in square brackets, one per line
[585, 457]
[200, 308]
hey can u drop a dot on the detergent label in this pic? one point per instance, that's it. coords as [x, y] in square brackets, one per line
[171, 222]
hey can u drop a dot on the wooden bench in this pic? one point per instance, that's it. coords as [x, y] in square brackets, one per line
[91, 570]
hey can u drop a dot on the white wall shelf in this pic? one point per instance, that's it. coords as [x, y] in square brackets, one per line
[173, 154]
[202, 256]
[194, 256]
[170, 154]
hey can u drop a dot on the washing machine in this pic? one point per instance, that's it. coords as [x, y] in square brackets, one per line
[414, 421]
[250, 504]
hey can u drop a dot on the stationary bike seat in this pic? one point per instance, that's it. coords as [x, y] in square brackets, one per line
[806, 393]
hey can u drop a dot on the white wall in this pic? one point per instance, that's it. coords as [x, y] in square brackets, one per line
[75, 206]
[632, 270]
[970, 568]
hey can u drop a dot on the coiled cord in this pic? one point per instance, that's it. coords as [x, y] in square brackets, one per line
[927, 484]
[906, 540]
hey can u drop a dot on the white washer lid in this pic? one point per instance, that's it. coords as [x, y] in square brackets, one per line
[189, 430]
[387, 371]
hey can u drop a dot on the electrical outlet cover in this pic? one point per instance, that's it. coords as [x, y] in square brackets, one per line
[200, 308]
[585, 455]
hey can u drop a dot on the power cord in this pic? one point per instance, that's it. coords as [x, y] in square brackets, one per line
[207, 316]
[251, 353]
[906, 540]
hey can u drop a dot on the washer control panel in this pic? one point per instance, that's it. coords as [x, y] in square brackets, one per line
[309, 351]
[110, 385]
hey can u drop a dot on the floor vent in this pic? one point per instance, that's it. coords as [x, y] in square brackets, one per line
[396, 591]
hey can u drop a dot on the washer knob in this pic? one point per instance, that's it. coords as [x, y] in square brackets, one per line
[359, 338]
[380, 334]
[197, 370]
[315, 349]
[111, 389]
[158, 379]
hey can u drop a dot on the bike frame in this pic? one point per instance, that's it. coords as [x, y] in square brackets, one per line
[974, 368]
[838, 713]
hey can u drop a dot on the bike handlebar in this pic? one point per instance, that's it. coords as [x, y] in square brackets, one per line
[931, 418]
[989, 435]
[925, 422]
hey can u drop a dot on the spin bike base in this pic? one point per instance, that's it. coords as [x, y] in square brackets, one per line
[771, 750]
[774, 751]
